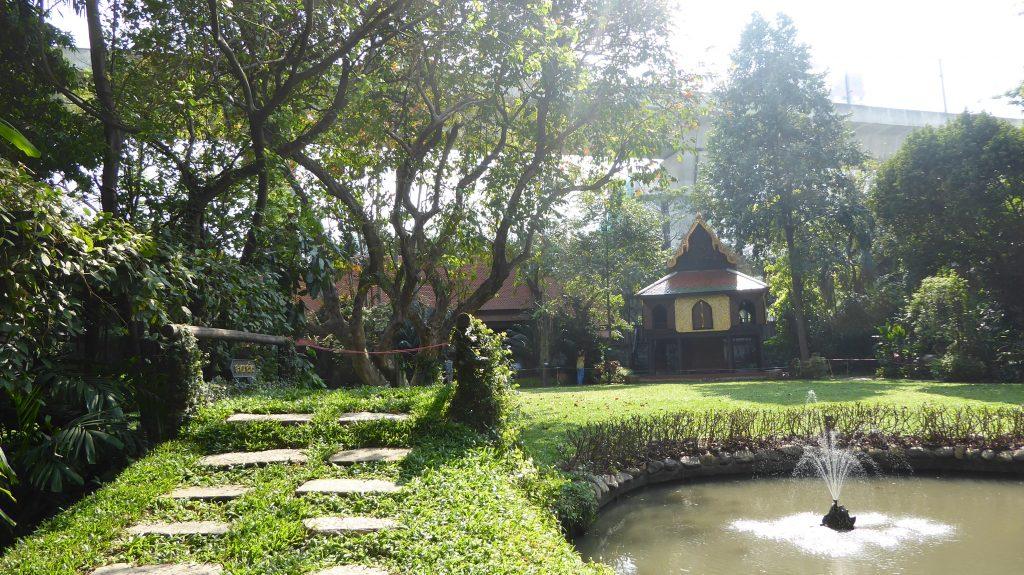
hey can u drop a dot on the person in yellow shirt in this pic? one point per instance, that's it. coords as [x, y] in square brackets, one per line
[581, 362]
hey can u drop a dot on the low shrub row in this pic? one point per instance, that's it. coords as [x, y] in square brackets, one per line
[618, 444]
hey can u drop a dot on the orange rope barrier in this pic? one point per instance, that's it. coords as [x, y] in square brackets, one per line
[310, 343]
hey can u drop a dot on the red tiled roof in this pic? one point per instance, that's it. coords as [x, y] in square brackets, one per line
[703, 281]
[513, 297]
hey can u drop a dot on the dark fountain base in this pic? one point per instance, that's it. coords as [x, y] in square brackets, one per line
[838, 518]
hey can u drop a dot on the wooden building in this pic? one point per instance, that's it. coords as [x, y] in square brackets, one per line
[705, 315]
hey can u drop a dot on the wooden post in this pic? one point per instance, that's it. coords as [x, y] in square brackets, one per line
[172, 329]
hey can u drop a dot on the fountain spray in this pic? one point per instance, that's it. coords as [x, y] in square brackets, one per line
[834, 466]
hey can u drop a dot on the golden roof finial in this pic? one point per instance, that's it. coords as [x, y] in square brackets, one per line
[684, 245]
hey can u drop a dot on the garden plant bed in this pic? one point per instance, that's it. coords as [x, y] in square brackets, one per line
[618, 456]
[552, 413]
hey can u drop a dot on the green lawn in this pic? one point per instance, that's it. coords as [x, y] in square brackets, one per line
[549, 412]
[466, 506]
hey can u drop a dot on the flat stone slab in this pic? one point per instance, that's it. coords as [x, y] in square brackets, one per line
[351, 570]
[369, 455]
[282, 418]
[344, 486]
[361, 416]
[345, 525]
[219, 493]
[180, 528]
[161, 569]
[253, 458]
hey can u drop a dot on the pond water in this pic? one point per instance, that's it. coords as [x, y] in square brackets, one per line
[906, 526]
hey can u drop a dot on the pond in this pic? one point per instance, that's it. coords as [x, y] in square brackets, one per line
[905, 526]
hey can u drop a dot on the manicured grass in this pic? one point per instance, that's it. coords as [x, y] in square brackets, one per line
[549, 412]
[466, 506]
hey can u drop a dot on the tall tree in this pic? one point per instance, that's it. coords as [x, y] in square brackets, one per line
[599, 257]
[491, 115]
[779, 156]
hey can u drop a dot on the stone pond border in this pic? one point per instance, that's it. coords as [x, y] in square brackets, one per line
[781, 460]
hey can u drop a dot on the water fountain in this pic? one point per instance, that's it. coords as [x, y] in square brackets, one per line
[834, 465]
[696, 527]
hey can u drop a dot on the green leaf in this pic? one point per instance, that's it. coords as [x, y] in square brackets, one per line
[12, 135]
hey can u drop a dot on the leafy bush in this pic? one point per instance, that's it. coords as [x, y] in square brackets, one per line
[893, 351]
[77, 301]
[225, 293]
[816, 367]
[957, 366]
[952, 333]
[84, 371]
[611, 371]
[483, 398]
[575, 507]
[939, 312]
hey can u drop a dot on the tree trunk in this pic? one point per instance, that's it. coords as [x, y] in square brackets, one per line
[796, 274]
[192, 218]
[367, 371]
[262, 186]
[544, 327]
[113, 135]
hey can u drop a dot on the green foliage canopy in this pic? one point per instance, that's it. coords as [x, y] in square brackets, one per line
[953, 197]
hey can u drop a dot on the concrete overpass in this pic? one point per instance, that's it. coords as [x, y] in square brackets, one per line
[879, 131]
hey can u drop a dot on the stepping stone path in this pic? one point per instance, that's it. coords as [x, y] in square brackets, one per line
[351, 570]
[361, 416]
[282, 418]
[345, 525]
[181, 528]
[346, 486]
[320, 525]
[368, 455]
[220, 493]
[254, 458]
[163, 569]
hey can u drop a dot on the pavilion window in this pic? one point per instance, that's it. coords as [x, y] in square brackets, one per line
[747, 312]
[659, 317]
[702, 318]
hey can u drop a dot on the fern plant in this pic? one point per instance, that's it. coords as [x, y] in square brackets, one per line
[7, 480]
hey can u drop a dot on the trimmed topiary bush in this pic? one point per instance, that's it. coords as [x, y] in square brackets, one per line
[483, 397]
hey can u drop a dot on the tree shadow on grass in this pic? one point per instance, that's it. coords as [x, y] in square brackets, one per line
[585, 388]
[990, 392]
[437, 442]
[789, 393]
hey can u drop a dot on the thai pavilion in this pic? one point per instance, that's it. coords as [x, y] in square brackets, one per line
[705, 315]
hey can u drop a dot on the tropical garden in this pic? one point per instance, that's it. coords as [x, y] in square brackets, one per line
[224, 164]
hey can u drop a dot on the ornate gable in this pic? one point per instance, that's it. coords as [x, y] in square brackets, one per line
[701, 250]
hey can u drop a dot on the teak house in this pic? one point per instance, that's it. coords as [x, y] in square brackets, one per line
[705, 315]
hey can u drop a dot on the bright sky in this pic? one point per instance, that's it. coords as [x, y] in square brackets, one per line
[889, 48]
[893, 46]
